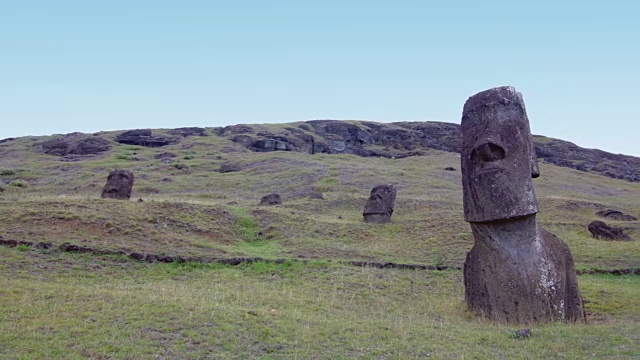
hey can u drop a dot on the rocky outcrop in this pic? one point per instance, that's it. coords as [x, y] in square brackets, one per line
[189, 131]
[600, 230]
[91, 145]
[74, 144]
[615, 215]
[144, 137]
[566, 154]
[233, 130]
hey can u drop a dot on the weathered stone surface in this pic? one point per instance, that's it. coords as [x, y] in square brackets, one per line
[519, 273]
[266, 145]
[271, 199]
[497, 157]
[57, 147]
[615, 215]
[189, 131]
[380, 205]
[143, 137]
[600, 230]
[119, 185]
[233, 130]
[74, 144]
[516, 272]
[91, 145]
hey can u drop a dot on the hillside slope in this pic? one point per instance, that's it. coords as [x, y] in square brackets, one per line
[362, 138]
[200, 189]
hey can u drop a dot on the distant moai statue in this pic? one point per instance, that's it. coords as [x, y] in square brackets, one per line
[119, 185]
[379, 206]
[516, 271]
[271, 199]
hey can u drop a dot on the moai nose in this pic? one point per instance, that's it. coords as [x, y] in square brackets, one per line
[487, 151]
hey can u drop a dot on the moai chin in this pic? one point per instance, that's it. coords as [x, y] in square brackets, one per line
[516, 271]
[119, 185]
[379, 206]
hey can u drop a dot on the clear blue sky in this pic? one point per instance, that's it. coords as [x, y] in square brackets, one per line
[106, 65]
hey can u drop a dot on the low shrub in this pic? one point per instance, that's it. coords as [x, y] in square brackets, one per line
[19, 183]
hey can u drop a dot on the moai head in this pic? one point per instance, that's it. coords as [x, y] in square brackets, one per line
[498, 159]
[119, 185]
[379, 206]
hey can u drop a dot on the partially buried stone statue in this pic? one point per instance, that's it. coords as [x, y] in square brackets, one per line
[119, 185]
[379, 206]
[516, 271]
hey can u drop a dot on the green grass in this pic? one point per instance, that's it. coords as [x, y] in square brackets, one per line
[87, 307]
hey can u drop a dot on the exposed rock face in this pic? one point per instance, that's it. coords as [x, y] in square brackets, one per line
[271, 199]
[380, 205]
[234, 130]
[516, 272]
[57, 147]
[566, 154]
[403, 139]
[143, 137]
[266, 145]
[600, 230]
[75, 144]
[189, 131]
[91, 145]
[615, 215]
[119, 185]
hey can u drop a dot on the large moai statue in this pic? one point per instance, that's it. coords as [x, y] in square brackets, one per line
[379, 206]
[119, 185]
[516, 271]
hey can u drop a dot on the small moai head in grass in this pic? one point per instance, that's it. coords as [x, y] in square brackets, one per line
[498, 158]
[380, 205]
[119, 185]
[271, 199]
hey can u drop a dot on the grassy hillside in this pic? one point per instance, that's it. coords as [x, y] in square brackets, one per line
[60, 305]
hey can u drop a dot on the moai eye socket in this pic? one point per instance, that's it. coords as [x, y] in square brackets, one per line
[487, 152]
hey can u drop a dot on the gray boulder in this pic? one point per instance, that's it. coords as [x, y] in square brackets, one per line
[144, 137]
[600, 230]
[615, 215]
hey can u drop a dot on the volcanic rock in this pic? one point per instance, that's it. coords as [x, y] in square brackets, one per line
[600, 230]
[615, 215]
[143, 137]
